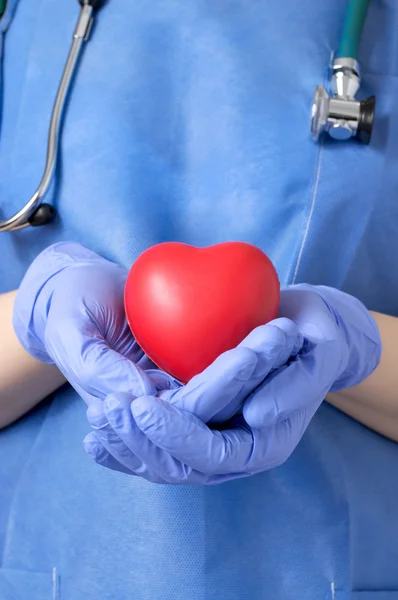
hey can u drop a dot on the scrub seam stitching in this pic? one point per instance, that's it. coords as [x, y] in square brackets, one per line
[311, 213]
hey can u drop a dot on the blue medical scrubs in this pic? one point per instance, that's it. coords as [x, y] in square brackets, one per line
[189, 121]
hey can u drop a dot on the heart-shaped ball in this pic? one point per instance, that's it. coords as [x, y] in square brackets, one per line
[187, 305]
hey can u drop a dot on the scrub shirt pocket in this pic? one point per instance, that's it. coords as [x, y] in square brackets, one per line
[26, 585]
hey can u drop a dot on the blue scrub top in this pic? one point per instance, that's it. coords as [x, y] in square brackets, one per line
[189, 121]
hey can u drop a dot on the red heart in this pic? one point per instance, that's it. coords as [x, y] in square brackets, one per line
[187, 305]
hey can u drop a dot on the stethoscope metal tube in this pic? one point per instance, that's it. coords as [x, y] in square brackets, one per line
[35, 212]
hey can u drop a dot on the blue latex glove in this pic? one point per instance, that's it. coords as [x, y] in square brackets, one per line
[165, 439]
[69, 311]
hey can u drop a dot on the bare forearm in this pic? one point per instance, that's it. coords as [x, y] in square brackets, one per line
[375, 401]
[24, 381]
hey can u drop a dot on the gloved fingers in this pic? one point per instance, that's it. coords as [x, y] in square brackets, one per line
[307, 308]
[210, 391]
[161, 380]
[108, 437]
[146, 364]
[85, 396]
[180, 449]
[218, 393]
[274, 344]
[272, 448]
[93, 294]
[274, 445]
[118, 412]
[221, 455]
[107, 449]
[181, 438]
[97, 451]
[90, 364]
[301, 384]
[122, 341]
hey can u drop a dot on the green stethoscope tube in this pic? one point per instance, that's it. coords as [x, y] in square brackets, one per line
[352, 31]
[353, 26]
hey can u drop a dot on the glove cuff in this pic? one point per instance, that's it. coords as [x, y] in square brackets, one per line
[361, 333]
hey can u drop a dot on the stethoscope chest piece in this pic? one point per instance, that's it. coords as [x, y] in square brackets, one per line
[341, 115]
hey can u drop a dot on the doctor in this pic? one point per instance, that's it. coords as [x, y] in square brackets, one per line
[194, 127]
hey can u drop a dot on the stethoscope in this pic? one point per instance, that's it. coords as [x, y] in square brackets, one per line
[337, 113]
[36, 212]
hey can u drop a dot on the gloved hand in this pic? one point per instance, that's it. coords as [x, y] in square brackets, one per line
[69, 311]
[325, 341]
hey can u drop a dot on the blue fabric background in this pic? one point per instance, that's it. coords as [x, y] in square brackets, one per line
[189, 121]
